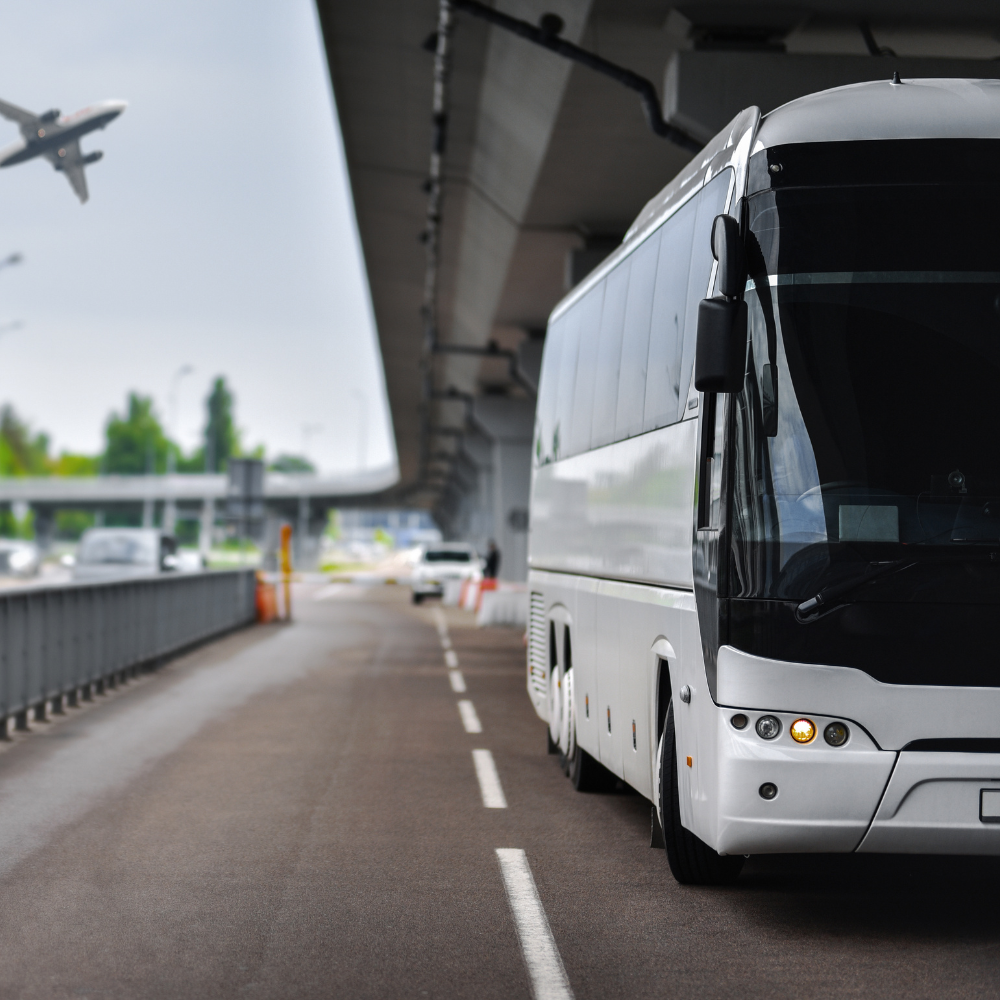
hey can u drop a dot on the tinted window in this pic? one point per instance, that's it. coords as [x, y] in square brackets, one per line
[545, 411]
[609, 350]
[588, 332]
[635, 339]
[447, 555]
[569, 326]
[662, 398]
[711, 202]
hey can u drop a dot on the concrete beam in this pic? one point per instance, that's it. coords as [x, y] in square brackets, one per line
[521, 93]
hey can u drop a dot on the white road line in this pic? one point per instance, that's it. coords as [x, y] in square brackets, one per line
[469, 718]
[445, 642]
[450, 658]
[439, 621]
[541, 956]
[489, 781]
[330, 590]
[457, 681]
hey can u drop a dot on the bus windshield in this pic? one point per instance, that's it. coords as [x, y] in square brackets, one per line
[867, 437]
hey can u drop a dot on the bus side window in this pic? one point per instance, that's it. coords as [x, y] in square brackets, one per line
[545, 411]
[661, 403]
[609, 352]
[565, 382]
[635, 339]
[577, 438]
[710, 466]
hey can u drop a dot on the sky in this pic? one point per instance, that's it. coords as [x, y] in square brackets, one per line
[219, 232]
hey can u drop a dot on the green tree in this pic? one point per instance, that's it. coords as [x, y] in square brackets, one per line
[291, 463]
[136, 443]
[221, 440]
[22, 452]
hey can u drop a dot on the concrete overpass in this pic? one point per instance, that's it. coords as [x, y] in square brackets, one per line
[304, 500]
[545, 165]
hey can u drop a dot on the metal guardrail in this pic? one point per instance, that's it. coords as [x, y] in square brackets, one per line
[62, 644]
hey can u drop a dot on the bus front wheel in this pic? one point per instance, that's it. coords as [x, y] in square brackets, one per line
[691, 860]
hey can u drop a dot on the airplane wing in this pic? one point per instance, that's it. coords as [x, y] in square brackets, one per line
[71, 164]
[15, 114]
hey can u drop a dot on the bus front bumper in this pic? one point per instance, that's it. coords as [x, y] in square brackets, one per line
[939, 803]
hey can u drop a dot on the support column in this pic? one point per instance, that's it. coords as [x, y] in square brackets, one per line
[207, 524]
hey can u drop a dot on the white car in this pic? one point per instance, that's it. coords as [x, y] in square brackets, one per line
[441, 563]
[112, 553]
[18, 558]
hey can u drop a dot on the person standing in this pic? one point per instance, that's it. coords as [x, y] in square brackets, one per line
[492, 566]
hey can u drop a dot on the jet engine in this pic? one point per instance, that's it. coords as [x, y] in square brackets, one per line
[50, 116]
[92, 157]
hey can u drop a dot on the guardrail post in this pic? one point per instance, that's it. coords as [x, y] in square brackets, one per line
[41, 715]
[57, 705]
[73, 698]
[21, 720]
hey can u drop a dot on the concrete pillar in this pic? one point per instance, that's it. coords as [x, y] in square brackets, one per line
[301, 536]
[170, 515]
[509, 423]
[207, 524]
[148, 508]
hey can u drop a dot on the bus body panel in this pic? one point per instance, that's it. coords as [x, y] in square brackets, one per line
[933, 803]
[621, 512]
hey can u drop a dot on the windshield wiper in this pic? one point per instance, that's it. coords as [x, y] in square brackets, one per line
[809, 611]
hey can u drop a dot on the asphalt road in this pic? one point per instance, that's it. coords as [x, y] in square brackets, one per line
[295, 812]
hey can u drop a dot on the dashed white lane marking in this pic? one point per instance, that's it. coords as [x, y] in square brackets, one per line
[489, 781]
[450, 658]
[440, 623]
[330, 590]
[469, 718]
[445, 642]
[457, 681]
[541, 956]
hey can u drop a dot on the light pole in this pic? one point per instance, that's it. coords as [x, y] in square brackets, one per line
[170, 507]
[172, 414]
[308, 430]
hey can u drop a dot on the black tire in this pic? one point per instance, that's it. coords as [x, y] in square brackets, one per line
[588, 774]
[692, 861]
[550, 744]
[418, 598]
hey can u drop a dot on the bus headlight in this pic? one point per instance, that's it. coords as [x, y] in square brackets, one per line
[836, 734]
[768, 727]
[803, 730]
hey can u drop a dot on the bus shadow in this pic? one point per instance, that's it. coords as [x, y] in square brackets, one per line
[872, 894]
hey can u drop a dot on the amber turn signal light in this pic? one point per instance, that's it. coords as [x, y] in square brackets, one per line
[803, 730]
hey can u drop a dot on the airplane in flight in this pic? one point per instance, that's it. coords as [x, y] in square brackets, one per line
[57, 137]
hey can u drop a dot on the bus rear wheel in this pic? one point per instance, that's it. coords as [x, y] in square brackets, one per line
[691, 860]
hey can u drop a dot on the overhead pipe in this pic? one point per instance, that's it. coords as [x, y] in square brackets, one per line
[546, 34]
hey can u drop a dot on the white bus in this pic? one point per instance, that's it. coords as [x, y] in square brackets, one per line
[769, 608]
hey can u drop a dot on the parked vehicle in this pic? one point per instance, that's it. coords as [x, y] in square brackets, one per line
[761, 582]
[440, 563]
[107, 553]
[19, 558]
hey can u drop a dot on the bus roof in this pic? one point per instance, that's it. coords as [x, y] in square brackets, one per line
[881, 109]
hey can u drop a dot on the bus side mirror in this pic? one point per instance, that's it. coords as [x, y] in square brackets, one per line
[721, 348]
[728, 250]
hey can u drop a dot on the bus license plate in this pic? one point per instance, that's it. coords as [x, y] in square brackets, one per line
[989, 805]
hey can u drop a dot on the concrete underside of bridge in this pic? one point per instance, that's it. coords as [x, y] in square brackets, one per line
[546, 165]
